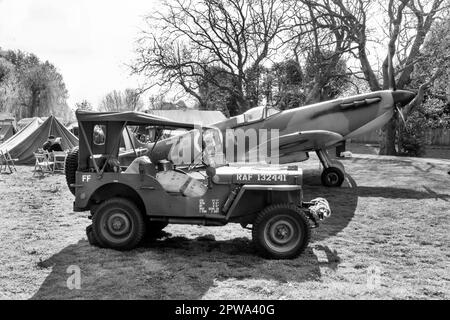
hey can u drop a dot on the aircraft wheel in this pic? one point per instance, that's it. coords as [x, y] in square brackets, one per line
[333, 177]
[118, 224]
[281, 231]
[338, 164]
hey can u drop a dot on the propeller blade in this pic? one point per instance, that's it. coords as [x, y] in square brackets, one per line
[401, 115]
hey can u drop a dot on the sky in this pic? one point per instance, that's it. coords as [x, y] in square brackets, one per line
[89, 41]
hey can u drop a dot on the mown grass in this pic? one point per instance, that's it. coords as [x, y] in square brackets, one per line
[391, 221]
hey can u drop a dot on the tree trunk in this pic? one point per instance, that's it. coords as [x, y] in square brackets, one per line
[32, 111]
[387, 138]
[367, 70]
[242, 103]
[314, 94]
[401, 132]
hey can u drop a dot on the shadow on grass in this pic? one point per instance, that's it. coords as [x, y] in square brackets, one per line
[344, 201]
[174, 268]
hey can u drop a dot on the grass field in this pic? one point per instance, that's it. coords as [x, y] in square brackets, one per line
[388, 237]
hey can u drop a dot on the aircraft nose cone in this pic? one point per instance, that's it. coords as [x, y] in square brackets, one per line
[403, 97]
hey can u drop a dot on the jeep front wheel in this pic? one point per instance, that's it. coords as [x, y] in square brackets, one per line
[118, 224]
[281, 231]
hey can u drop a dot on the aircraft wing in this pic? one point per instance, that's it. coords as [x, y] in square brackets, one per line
[294, 147]
[309, 140]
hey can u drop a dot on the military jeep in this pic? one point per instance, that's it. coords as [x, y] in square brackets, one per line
[131, 199]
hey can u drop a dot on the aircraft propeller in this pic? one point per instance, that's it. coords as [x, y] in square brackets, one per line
[402, 116]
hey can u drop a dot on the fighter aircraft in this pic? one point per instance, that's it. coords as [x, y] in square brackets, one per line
[311, 128]
[320, 126]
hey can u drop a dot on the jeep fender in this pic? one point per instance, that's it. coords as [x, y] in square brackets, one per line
[268, 194]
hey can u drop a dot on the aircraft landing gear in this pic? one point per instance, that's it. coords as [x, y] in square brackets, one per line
[334, 173]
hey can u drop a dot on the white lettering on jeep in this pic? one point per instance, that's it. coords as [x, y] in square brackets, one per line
[213, 206]
[261, 177]
[201, 206]
[244, 177]
[85, 178]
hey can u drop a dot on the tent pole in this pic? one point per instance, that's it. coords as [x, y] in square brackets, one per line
[50, 129]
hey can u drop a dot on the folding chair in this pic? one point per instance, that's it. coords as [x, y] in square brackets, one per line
[59, 161]
[43, 164]
[2, 161]
[8, 161]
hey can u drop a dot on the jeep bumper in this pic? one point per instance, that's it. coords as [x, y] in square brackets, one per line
[317, 210]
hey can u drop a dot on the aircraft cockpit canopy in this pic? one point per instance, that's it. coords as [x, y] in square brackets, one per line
[260, 113]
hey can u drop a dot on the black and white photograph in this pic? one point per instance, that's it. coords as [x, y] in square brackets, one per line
[224, 155]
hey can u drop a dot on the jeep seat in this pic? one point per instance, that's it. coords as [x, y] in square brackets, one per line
[258, 175]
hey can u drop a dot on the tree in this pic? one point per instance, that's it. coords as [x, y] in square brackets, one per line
[435, 56]
[325, 77]
[284, 85]
[322, 42]
[187, 38]
[434, 112]
[30, 87]
[133, 99]
[288, 84]
[9, 86]
[84, 106]
[216, 97]
[156, 102]
[408, 23]
[128, 100]
[188, 42]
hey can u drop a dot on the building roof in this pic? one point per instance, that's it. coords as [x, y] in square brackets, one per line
[7, 117]
[199, 117]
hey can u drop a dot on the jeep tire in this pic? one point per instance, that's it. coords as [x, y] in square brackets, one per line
[90, 236]
[118, 224]
[281, 231]
[71, 167]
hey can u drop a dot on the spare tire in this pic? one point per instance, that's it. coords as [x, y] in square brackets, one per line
[71, 167]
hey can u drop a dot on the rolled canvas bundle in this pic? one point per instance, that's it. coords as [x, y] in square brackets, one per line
[172, 181]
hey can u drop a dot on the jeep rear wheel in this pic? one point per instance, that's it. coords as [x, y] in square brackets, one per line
[281, 231]
[118, 224]
[71, 167]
